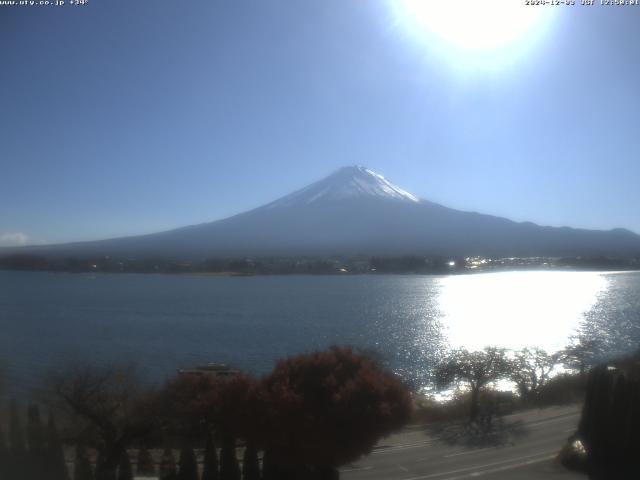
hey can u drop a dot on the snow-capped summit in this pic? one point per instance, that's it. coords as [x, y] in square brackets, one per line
[355, 211]
[348, 182]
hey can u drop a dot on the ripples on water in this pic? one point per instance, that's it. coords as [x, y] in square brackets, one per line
[612, 325]
[165, 322]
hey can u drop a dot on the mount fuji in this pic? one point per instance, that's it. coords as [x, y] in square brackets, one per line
[356, 211]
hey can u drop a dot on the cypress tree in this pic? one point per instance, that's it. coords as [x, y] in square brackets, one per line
[99, 473]
[36, 440]
[250, 463]
[618, 422]
[167, 465]
[269, 470]
[35, 431]
[328, 473]
[210, 471]
[633, 446]
[82, 469]
[16, 435]
[56, 464]
[188, 464]
[105, 471]
[4, 456]
[602, 393]
[124, 468]
[17, 465]
[229, 468]
[146, 466]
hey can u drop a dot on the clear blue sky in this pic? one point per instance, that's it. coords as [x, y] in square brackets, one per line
[126, 117]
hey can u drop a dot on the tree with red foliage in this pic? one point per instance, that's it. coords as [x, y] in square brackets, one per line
[328, 408]
[230, 406]
[189, 402]
[201, 403]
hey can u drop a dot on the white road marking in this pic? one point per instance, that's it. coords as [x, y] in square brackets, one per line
[356, 469]
[514, 417]
[547, 455]
[467, 452]
[406, 446]
[551, 420]
[502, 469]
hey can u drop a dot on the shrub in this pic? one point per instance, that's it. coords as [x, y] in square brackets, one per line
[329, 408]
[562, 389]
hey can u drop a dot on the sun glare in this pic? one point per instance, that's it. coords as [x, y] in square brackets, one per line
[517, 309]
[472, 25]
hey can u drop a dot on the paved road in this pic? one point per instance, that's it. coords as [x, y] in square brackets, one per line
[527, 444]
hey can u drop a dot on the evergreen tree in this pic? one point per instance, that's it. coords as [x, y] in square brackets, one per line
[82, 469]
[105, 470]
[99, 470]
[37, 458]
[35, 431]
[146, 465]
[17, 464]
[327, 473]
[270, 470]
[56, 464]
[250, 463]
[210, 471]
[229, 468]
[16, 435]
[188, 464]
[168, 465]
[124, 469]
[4, 456]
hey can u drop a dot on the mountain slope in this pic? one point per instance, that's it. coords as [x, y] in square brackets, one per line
[357, 211]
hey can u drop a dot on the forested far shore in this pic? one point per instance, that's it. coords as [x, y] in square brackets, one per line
[336, 265]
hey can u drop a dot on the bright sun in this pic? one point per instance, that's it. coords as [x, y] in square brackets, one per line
[473, 25]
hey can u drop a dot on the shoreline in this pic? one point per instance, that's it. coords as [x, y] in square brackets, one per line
[332, 274]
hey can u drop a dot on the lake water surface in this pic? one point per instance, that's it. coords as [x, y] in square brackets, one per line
[165, 322]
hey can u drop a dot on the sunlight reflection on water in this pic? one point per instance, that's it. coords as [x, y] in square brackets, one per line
[165, 322]
[517, 309]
